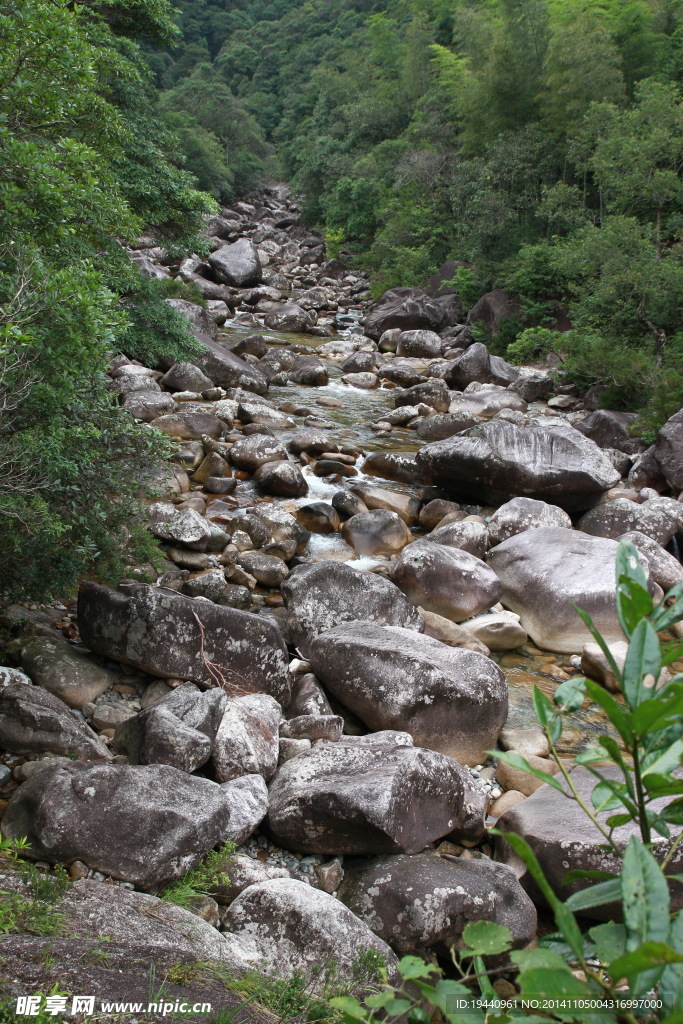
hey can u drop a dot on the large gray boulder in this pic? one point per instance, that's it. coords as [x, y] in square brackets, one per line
[255, 451]
[406, 308]
[178, 730]
[665, 570]
[286, 927]
[419, 344]
[449, 699]
[281, 478]
[445, 580]
[290, 317]
[378, 530]
[33, 720]
[652, 518]
[148, 405]
[172, 636]
[64, 670]
[362, 798]
[564, 838]
[237, 264]
[142, 824]
[199, 318]
[521, 514]
[611, 429]
[247, 739]
[415, 902]
[498, 461]
[668, 451]
[326, 594]
[227, 369]
[544, 572]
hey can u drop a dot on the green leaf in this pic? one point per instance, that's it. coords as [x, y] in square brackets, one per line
[645, 896]
[666, 762]
[558, 984]
[645, 903]
[670, 988]
[609, 941]
[617, 714]
[485, 938]
[596, 895]
[642, 666]
[410, 967]
[571, 694]
[352, 1009]
[528, 959]
[564, 918]
[547, 714]
[646, 957]
[673, 813]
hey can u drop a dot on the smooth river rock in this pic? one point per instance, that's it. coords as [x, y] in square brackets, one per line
[445, 580]
[449, 699]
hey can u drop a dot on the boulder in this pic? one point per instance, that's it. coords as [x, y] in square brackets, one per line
[492, 308]
[406, 308]
[143, 824]
[186, 377]
[487, 403]
[533, 386]
[399, 466]
[500, 631]
[185, 527]
[178, 730]
[287, 928]
[64, 670]
[473, 365]
[404, 505]
[419, 344]
[374, 797]
[467, 536]
[448, 632]
[282, 478]
[319, 517]
[521, 514]
[289, 318]
[443, 425]
[172, 636]
[97, 910]
[200, 320]
[239, 871]
[226, 369]
[266, 569]
[665, 570]
[498, 461]
[564, 839]
[448, 699]
[376, 531]
[622, 516]
[247, 739]
[420, 901]
[255, 451]
[432, 392]
[544, 572]
[33, 720]
[248, 800]
[445, 580]
[148, 405]
[325, 594]
[189, 426]
[668, 451]
[237, 264]
[611, 429]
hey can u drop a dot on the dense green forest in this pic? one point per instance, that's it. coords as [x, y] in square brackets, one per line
[86, 163]
[541, 141]
[538, 141]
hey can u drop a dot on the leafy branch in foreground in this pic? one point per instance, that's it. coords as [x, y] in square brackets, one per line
[629, 968]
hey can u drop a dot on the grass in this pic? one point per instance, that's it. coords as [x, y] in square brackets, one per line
[197, 882]
[32, 911]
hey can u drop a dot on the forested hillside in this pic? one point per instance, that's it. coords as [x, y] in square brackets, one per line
[540, 141]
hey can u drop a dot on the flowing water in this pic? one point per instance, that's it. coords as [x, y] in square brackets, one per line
[349, 423]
